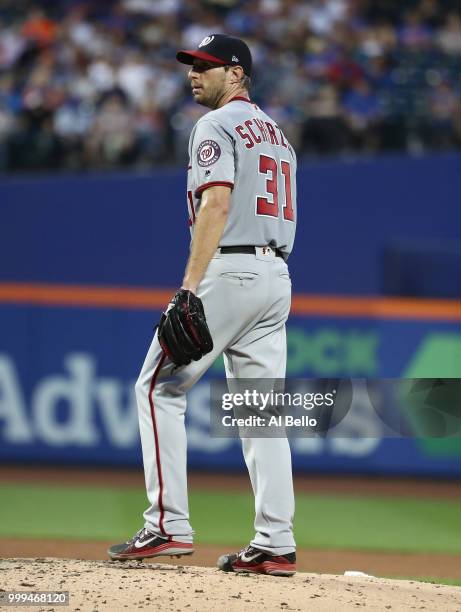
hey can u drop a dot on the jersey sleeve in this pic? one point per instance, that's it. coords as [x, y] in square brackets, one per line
[212, 157]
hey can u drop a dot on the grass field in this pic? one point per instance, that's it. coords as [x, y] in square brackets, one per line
[414, 525]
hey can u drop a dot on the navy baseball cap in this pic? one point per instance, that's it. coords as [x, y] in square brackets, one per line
[220, 49]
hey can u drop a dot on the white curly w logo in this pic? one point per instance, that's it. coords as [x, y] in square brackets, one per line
[206, 41]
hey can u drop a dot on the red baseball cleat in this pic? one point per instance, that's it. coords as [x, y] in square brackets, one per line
[257, 561]
[145, 544]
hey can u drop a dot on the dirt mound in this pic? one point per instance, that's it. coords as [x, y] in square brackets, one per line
[107, 585]
[382, 563]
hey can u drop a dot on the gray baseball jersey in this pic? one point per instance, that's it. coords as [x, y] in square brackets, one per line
[238, 145]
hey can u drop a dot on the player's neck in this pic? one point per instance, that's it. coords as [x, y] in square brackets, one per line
[229, 95]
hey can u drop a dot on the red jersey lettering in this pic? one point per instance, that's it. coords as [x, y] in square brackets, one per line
[244, 136]
[257, 139]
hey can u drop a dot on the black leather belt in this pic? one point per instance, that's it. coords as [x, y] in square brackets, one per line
[246, 249]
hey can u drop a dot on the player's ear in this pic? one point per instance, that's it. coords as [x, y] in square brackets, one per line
[236, 74]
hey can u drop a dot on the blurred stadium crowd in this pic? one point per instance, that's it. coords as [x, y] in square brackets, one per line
[95, 84]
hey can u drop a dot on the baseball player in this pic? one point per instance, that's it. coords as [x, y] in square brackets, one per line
[234, 299]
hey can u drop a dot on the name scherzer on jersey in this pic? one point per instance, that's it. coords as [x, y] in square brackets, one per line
[239, 146]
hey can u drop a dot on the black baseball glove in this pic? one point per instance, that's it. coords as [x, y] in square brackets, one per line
[183, 331]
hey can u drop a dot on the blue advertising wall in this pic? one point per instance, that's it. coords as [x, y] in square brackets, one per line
[67, 368]
[132, 230]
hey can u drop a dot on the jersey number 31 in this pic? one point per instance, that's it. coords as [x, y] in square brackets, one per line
[268, 205]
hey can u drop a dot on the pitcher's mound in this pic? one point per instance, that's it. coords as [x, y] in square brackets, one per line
[111, 585]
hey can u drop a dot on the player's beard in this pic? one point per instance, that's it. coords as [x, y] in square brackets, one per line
[210, 101]
[211, 96]
[200, 97]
